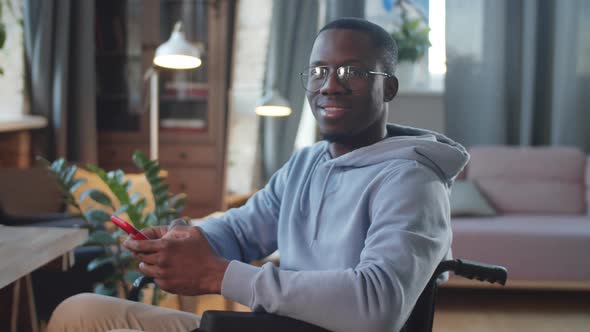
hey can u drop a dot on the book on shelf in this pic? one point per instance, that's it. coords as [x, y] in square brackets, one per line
[183, 124]
[185, 89]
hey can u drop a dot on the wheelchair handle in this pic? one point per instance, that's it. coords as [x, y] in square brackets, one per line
[138, 285]
[474, 270]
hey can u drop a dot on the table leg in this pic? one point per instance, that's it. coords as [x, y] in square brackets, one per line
[17, 307]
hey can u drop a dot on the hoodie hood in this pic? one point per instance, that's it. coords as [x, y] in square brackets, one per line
[443, 156]
[436, 151]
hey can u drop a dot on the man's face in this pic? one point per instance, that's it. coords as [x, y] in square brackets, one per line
[341, 112]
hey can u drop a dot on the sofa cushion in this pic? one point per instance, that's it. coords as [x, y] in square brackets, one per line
[588, 185]
[530, 247]
[466, 200]
[530, 180]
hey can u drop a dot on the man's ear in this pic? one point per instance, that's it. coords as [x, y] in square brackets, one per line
[391, 87]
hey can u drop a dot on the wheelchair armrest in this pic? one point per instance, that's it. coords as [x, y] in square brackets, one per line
[230, 321]
[138, 285]
[474, 270]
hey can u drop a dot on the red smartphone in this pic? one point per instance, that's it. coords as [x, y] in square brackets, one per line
[127, 227]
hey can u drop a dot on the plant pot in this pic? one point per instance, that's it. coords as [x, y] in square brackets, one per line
[406, 73]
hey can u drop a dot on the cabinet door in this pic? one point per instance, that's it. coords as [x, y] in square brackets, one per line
[192, 103]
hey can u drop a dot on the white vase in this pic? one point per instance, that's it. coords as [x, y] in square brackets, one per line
[406, 74]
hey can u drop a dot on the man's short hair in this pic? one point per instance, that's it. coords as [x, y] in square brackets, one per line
[382, 41]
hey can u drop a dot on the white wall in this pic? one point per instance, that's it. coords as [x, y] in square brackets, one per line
[423, 109]
[249, 58]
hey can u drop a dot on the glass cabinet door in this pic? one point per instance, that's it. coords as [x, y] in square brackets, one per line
[184, 94]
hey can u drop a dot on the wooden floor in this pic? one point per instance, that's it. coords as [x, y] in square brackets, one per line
[481, 310]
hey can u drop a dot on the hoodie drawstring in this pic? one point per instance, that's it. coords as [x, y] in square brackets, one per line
[315, 220]
[306, 186]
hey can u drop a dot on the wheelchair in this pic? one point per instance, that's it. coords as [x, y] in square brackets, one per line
[421, 318]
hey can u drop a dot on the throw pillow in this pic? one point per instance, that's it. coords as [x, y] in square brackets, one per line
[466, 200]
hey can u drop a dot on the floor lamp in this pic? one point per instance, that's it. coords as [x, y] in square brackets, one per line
[175, 53]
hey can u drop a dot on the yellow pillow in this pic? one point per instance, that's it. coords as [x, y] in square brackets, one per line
[139, 184]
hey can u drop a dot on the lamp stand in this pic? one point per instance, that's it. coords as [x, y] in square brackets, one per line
[154, 114]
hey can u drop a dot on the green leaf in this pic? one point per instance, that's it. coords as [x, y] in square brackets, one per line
[131, 275]
[122, 209]
[68, 174]
[96, 217]
[162, 188]
[76, 184]
[118, 175]
[135, 198]
[152, 173]
[58, 166]
[161, 200]
[100, 237]
[177, 201]
[140, 159]
[103, 289]
[168, 213]
[97, 196]
[2, 35]
[100, 261]
[141, 205]
[150, 219]
[95, 169]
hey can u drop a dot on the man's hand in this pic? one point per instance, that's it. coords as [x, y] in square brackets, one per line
[180, 260]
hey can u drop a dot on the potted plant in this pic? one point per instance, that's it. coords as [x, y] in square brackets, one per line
[411, 36]
[118, 199]
[3, 34]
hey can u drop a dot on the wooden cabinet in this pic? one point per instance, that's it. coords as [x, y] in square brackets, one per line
[193, 103]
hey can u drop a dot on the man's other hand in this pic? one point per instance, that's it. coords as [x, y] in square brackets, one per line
[180, 260]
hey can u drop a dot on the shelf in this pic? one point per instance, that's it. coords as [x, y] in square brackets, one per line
[113, 97]
[117, 54]
[184, 99]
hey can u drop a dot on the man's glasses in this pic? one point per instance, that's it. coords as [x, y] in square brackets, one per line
[351, 77]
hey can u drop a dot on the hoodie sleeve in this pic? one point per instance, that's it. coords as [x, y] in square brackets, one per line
[250, 232]
[408, 236]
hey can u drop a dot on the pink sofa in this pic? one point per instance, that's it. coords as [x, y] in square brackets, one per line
[541, 232]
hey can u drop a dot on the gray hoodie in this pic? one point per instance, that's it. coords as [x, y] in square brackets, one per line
[359, 235]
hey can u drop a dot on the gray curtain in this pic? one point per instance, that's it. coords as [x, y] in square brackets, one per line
[518, 72]
[59, 45]
[293, 28]
[344, 8]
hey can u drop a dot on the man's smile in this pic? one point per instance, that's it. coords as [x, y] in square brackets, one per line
[333, 110]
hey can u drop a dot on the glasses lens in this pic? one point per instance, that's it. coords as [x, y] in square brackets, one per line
[352, 77]
[313, 78]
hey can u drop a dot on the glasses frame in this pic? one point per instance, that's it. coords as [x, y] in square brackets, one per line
[304, 76]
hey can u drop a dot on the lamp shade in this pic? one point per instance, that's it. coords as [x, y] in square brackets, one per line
[273, 104]
[177, 52]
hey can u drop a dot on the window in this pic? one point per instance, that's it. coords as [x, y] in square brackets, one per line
[12, 61]
[430, 70]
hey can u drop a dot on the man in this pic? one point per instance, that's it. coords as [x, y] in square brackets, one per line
[361, 220]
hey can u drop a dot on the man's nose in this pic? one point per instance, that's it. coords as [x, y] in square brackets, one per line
[333, 85]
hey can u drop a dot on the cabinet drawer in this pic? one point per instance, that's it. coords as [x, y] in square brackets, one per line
[116, 154]
[201, 185]
[198, 211]
[187, 155]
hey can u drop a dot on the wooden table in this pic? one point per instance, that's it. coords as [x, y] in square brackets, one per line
[23, 250]
[15, 138]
